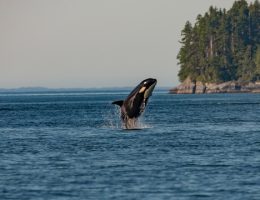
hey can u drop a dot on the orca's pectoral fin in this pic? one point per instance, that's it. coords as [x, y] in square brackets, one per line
[119, 103]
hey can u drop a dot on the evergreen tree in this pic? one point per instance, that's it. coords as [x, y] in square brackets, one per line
[254, 10]
[246, 71]
[257, 64]
[185, 52]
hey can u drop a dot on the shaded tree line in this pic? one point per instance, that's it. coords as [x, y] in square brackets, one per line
[222, 45]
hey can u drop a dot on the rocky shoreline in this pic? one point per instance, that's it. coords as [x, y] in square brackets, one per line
[191, 87]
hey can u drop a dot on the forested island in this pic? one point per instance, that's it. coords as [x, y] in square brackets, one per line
[221, 51]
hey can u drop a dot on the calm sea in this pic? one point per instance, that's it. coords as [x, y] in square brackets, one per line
[70, 145]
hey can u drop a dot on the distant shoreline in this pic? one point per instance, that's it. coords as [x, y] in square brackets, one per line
[191, 87]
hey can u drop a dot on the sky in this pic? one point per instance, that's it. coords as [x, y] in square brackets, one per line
[93, 43]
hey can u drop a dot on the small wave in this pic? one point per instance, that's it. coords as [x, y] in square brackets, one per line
[6, 109]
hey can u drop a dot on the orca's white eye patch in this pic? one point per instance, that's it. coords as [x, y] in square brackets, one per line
[142, 90]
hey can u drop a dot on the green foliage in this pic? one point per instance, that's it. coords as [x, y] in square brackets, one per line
[257, 63]
[222, 45]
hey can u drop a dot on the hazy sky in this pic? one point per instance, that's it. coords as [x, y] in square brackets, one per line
[93, 43]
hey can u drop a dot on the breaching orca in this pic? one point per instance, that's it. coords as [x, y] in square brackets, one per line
[134, 105]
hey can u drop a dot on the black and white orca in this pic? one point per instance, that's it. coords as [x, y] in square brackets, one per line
[135, 103]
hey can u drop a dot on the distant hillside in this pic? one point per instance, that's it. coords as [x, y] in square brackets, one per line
[39, 90]
[54, 90]
[223, 45]
[25, 89]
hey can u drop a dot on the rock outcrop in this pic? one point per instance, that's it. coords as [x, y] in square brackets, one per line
[187, 87]
[192, 87]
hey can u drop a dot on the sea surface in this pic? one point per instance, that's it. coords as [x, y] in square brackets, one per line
[71, 146]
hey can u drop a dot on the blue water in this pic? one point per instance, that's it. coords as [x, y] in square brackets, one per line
[70, 145]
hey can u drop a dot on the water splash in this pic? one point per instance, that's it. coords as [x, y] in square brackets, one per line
[135, 123]
[112, 120]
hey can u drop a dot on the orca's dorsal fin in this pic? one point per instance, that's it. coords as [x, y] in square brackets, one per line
[119, 103]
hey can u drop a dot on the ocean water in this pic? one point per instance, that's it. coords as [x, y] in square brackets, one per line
[70, 145]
